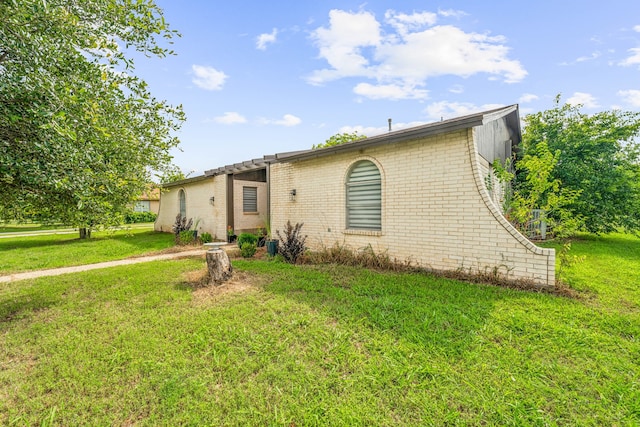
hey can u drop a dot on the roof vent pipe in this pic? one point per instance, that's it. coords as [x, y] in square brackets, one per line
[389, 125]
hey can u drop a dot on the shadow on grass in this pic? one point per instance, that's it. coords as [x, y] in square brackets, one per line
[440, 314]
[25, 305]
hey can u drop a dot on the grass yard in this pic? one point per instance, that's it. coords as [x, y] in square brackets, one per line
[322, 345]
[51, 251]
[13, 227]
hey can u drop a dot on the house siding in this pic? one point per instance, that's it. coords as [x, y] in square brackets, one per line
[436, 210]
[249, 221]
[212, 217]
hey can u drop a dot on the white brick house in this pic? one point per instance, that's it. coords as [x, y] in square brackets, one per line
[234, 196]
[423, 197]
[419, 194]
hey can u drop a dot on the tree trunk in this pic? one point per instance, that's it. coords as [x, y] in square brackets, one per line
[85, 233]
[219, 266]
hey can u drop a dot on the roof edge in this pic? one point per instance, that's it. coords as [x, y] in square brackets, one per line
[450, 125]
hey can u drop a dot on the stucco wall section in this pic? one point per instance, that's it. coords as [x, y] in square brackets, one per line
[436, 211]
[249, 221]
[212, 217]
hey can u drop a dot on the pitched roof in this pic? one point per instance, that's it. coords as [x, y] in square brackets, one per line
[436, 128]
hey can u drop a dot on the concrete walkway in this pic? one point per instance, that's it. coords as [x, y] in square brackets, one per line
[75, 269]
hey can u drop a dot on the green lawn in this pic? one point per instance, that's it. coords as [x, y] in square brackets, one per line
[322, 345]
[11, 227]
[51, 251]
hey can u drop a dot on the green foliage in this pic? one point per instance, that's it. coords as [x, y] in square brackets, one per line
[206, 237]
[325, 345]
[186, 237]
[248, 249]
[340, 138]
[20, 254]
[181, 224]
[245, 238]
[292, 243]
[80, 134]
[136, 217]
[541, 190]
[590, 165]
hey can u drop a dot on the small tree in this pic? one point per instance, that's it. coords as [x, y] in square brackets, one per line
[340, 138]
[540, 190]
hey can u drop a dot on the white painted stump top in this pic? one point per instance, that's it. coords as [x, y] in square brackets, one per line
[214, 246]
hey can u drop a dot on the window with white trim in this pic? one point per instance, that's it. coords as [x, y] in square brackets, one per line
[364, 197]
[182, 198]
[250, 199]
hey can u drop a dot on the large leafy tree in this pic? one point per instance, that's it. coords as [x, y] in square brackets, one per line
[595, 159]
[80, 134]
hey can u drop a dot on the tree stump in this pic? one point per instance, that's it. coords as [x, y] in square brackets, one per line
[219, 266]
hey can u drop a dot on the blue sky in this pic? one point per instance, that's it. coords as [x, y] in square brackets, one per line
[257, 77]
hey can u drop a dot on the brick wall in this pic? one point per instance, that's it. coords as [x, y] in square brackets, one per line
[436, 210]
[212, 217]
[249, 221]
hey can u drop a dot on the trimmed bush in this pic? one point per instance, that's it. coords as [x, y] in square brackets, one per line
[247, 238]
[248, 249]
[206, 237]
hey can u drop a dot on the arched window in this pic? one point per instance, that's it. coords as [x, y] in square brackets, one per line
[364, 197]
[183, 203]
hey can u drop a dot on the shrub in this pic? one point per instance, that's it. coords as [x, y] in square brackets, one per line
[292, 244]
[247, 238]
[248, 249]
[181, 225]
[206, 237]
[186, 237]
[137, 217]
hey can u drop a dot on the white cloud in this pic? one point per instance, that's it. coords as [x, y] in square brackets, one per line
[208, 78]
[404, 23]
[287, 120]
[405, 50]
[230, 118]
[444, 110]
[378, 130]
[631, 97]
[585, 99]
[594, 55]
[452, 13]
[264, 39]
[342, 42]
[636, 28]
[634, 59]
[456, 89]
[391, 91]
[527, 97]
